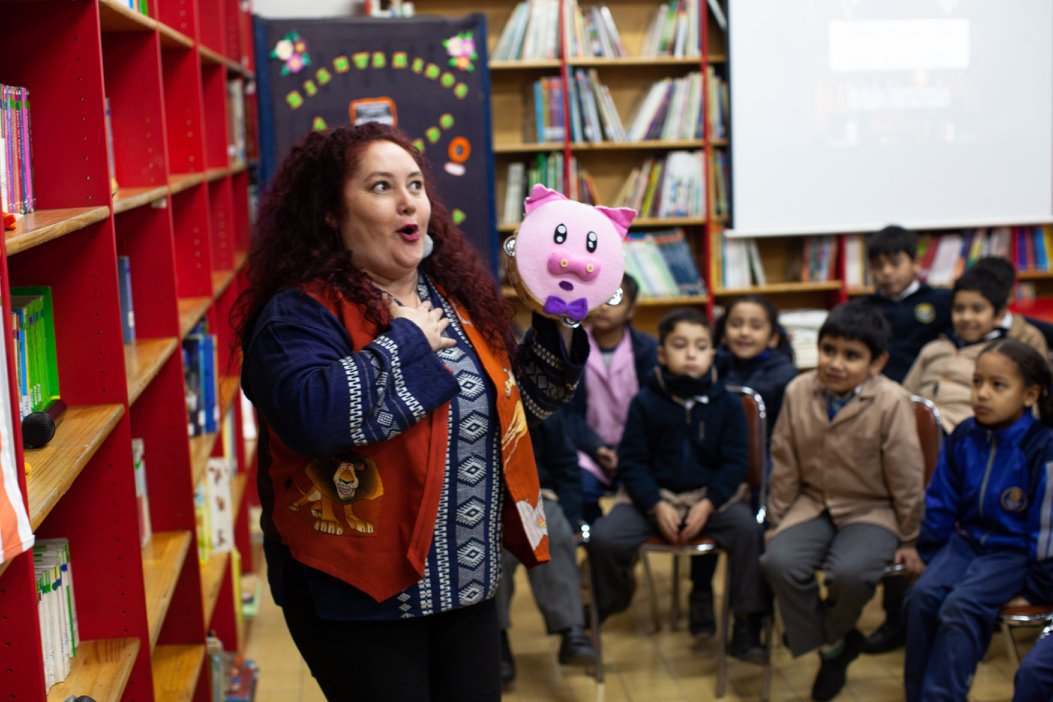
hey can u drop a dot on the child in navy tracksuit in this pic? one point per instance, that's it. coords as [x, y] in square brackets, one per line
[1034, 677]
[986, 534]
[682, 461]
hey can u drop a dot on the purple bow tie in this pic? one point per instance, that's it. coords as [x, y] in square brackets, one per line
[574, 310]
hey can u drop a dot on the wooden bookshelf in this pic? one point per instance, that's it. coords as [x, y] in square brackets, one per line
[780, 288]
[45, 225]
[200, 451]
[143, 361]
[54, 467]
[191, 310]
[161, 78]
[212, 574]
[163, 559]
[100, 670]
[177, 668]
[130, 198]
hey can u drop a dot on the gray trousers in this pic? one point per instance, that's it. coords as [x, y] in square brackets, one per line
[556, 585]
[853, 558]
[615, 546]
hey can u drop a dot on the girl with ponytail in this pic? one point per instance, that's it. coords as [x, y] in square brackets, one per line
[986, 536]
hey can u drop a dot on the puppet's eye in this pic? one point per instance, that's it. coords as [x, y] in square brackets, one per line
[590, 241]
[560, 235]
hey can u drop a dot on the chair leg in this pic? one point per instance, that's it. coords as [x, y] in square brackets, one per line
[1010, 645]
[725, 631]
[674, 613]
[649, 577]
[769, 665]
[594, 618]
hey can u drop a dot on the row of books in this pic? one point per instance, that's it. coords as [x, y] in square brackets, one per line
[213, 508]
[532, 32]
[671, 110]
[721, 177]
[546, 169]
[673, 30]
[663, 264]
[17, 195]
[56, 608]
[199, 368]
[33, 334]
[741, 264]
[237, 139]
[666, 187]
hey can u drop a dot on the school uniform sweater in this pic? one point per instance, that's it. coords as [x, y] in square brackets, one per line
[914, 320]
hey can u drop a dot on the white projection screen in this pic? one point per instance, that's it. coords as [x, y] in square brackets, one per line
[848, 115]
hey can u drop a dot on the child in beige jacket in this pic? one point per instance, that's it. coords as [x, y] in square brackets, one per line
[846, 490]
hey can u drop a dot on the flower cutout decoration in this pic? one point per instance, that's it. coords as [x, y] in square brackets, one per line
[461, 48]
[291, 50]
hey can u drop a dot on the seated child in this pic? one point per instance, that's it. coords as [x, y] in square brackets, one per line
[753, 350]
[845, 490]
[943, 371]
[682, 462]
[1034, 678]
[555, 584]
[916, 313]
[621, 358]
[986, 521]
[1016, 326]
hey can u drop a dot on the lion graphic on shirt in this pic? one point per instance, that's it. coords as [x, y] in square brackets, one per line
[336, 485]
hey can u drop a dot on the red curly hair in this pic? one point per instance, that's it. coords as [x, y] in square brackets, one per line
[296, 245]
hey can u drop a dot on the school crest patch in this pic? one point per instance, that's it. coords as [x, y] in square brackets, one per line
[925, 313]
[1014, 500]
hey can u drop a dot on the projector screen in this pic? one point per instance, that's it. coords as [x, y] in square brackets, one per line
[847, 115]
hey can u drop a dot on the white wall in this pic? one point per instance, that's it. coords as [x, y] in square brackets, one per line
[299, 8]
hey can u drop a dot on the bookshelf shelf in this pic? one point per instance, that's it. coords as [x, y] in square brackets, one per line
[228, 391]
[114, 17]
[191, 310]
[636, 145]
[163, 559]
[200, 451]
[212, 574]
[173, 39]
[211, 56]
[1034, 275]
[671, 301]
[250, 451]
[177, 668]
[178, 182]
[237, 491]
[80, 434]
[525, 148]
[221, 280]
[143, 361]
[642, 61]
[541, 64]
[130, 198]
[779, 288]
[45, 225]
[213, 174]
[100, 670]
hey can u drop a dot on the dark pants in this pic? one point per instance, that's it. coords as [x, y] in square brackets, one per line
[615, 545]
[950, 615]
[591, 492]
[1034, 678]
[447, 657]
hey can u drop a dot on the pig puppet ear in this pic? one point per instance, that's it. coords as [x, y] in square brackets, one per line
[621, 217]
[540, 195]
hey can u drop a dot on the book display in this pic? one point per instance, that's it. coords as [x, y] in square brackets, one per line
[172, 80]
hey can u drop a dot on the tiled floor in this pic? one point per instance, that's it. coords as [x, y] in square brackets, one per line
[641, 666]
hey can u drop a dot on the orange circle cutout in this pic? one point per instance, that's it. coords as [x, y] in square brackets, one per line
[460, 149]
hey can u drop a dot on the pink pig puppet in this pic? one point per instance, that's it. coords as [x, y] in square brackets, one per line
[567, 257]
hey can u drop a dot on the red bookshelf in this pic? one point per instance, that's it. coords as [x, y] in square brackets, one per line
[181, 215]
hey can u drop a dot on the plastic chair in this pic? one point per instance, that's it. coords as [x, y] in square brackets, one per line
[756, 422]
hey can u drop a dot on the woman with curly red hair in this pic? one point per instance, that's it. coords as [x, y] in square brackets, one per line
[393, 449]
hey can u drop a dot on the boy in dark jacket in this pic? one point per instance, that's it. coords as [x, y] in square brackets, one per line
[682, 462]
[917, 314]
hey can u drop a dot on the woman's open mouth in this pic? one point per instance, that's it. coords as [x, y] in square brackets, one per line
[410, 232]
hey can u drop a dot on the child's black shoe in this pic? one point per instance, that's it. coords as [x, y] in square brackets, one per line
[700, 619]
[576, 648]
[833, 671]
[746, 642]
[508, 664]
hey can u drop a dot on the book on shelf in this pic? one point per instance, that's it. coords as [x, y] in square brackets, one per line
[199, 366]
[202, 525]
[33, 325]
[674, 30]
[111, 159]
[663, 265]
[802, 328]
[237, 139]
[219, 504]
[718, 13]
[142, 498]
[17, 195]
[56, 603]
[16, 535]
[124, 288]
[671, 186]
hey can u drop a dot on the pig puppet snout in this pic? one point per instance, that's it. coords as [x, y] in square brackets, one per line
[584, 267]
